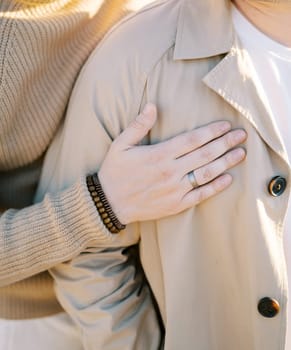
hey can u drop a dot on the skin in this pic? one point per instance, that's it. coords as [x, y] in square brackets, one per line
[161, 170]
[271, 17]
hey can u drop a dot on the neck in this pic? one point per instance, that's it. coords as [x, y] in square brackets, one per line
[271, 17]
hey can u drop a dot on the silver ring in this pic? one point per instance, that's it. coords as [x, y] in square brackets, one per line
[192, 179]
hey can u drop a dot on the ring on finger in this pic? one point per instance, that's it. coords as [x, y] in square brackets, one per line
[192, 179]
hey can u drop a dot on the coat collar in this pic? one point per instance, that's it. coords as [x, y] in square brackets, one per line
[234, 79]
[204, 30]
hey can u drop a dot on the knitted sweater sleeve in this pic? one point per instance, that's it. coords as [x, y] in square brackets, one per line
[64, 221]
[58, 228]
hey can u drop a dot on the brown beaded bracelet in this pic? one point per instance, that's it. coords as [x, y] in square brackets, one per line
[105, 211]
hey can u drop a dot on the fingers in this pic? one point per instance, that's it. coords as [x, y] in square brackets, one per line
[189, 141]
[138, 128]
[211, 151]
[212, 170]
[160, 170]
[202, 193]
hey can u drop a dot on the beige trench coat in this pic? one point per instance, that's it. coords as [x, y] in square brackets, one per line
[209, 266]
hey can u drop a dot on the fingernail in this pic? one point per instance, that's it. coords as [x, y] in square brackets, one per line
[225, 180]
[240, 153]
[240, 135]
[225, 126]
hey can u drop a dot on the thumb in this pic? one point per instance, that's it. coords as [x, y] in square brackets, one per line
[139, 127]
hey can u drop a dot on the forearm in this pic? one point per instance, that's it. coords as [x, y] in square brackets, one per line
[55, 230]
[105, 292]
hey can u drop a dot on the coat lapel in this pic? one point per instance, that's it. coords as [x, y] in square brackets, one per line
[234, 79]
[205, 30]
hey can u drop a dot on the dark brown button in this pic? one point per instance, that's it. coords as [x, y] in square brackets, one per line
[268, 307]
[277, 186]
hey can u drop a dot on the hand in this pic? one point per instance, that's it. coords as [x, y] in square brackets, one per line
[151, 182]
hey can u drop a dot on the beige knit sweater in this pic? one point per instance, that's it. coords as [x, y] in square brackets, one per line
[42, 48]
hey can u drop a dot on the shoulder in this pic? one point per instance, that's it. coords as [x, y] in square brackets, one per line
[140, 38]
[113, 79]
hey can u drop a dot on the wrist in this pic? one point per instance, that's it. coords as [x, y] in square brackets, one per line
[102, 204]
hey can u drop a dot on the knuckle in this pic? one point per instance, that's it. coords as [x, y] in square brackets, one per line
[228, 140]
[203, 175]
[137, 124]
[191, 140]
[221, 127]
[205, 155]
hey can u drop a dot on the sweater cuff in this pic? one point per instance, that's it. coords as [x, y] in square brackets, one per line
[84, 223]
[55, 230]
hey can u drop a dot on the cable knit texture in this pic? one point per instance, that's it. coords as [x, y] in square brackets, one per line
[43, 45]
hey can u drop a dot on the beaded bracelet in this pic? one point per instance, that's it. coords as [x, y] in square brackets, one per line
[105, 211]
